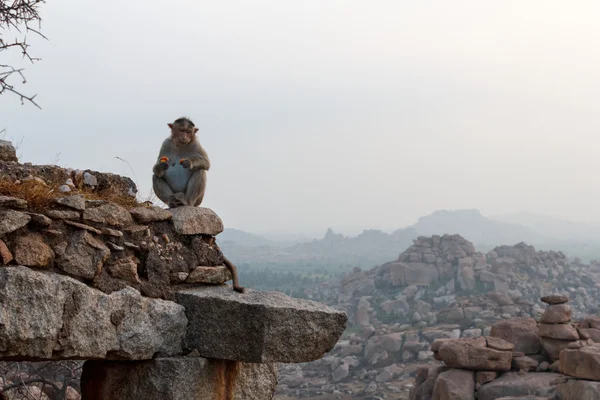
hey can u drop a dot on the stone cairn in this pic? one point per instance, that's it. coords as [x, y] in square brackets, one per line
[140, 292]
[553, 359]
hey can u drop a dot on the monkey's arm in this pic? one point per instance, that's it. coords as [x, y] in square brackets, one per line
[160, 167]
[199, 163]
[198, 159]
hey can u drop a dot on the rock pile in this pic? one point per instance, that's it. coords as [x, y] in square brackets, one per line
[555, 328]
[565, 349]
[140, 291]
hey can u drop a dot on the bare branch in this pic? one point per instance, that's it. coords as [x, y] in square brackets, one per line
[15, 14]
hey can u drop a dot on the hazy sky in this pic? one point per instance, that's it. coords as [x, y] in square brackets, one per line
[318, 113]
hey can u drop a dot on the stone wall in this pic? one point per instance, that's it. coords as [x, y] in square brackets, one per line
[87, 273]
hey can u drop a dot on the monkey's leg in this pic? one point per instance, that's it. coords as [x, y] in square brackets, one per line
[162, 189]
[196, 188]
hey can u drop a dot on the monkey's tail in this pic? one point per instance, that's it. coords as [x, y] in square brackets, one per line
[232, 268]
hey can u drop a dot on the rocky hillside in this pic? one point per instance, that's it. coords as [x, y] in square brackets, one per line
[139, 292]
[440, 287]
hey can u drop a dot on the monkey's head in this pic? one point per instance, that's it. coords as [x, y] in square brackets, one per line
[183, 132]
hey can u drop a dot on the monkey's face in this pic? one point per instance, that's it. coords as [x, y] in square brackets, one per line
[182, 135]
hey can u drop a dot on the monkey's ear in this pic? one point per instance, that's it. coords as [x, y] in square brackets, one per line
[195, 130]
[170, 126]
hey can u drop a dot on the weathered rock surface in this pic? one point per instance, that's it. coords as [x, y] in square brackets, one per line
[522, 332]
[84, 255]
[258, 326]
[48, 316]
[7, 151]
[30, 250]
[524, 363]
[76, 202]
[196, 220]
[212, 275]
[555, 299]
[105, 212]
[144, 215]
[581, 363]
[469, 354]
[5, 254]
[12, 202]
[183, 378]
[63, 214]
[558, 331]
[556, 314]
[553, 347]
[520, 385]
[578, 390]
[456, 384]
[11, 220]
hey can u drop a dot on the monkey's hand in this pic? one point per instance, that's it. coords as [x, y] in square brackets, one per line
[160, 168]
[185, 163]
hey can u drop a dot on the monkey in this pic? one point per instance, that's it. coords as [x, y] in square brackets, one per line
[230, 266]
[179, 175]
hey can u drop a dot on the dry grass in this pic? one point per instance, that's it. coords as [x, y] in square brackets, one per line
[41, 197]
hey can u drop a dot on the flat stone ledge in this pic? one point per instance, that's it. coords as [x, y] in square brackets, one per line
[259, 327]
[181, 378]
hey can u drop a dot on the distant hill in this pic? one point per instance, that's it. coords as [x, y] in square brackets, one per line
[555, 228]
[244, 238]
[476, 228]
[369, 248]
[373, 247]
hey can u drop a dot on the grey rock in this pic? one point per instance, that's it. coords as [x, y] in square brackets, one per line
[76, 202]
[144, 215]
[90, 179]
[11, 220]
[258, 326]
[63, 214]
[341, 373]
[40, 219]
[84, 256]
[105, 212]
[66, 319]
[196, 220]
[84, 227]
[182, 378]
[7, 151]
[212, 275]
[12, 202]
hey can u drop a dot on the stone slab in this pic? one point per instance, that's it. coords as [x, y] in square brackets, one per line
[258, 326]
